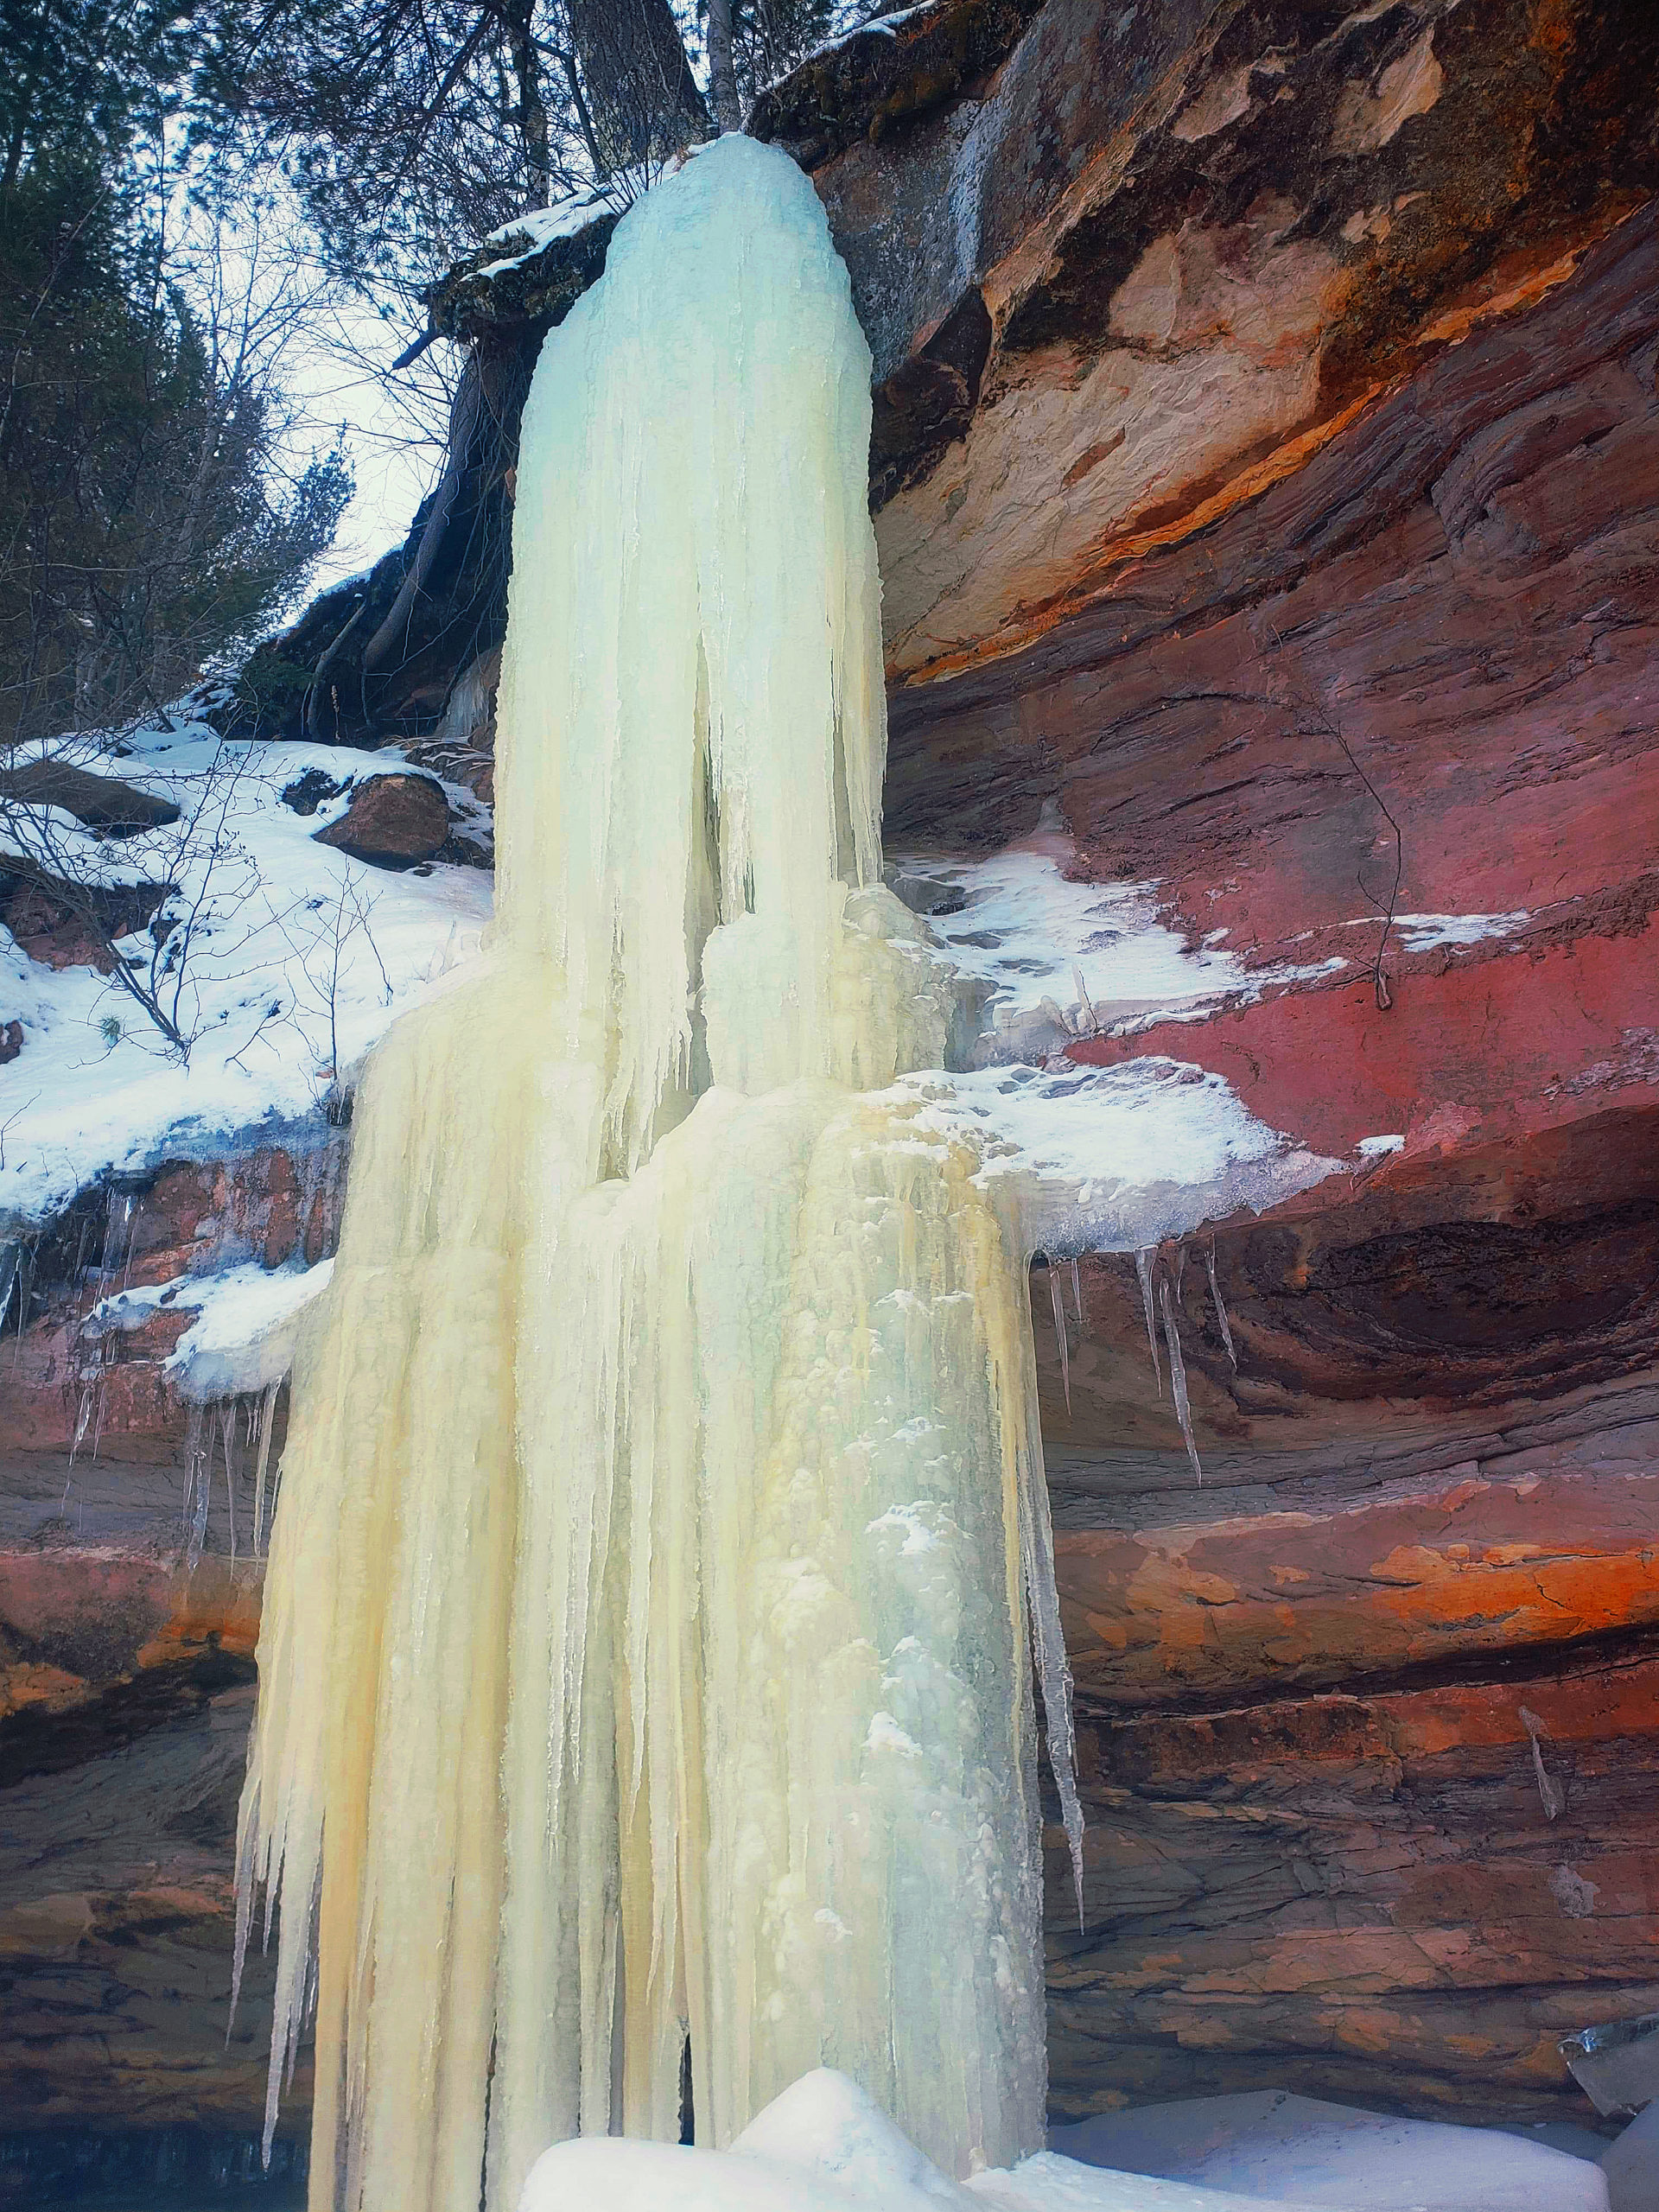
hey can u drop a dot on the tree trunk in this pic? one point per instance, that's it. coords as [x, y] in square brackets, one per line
[722, 74]
[642, 100]
[532, 108]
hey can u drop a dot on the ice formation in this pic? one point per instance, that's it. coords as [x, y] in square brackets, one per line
[663, 1532]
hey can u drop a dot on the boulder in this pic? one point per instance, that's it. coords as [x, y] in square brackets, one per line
[393, 821]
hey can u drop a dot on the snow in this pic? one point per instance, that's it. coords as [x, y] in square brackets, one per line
[1097, 953]
[1422, 932]
[245, 1339]
[824, 2145]
[268, 1009]
[1115, 1158]
[1379, 1147]
[1271, 2145]
[541, 225]
[856, 29]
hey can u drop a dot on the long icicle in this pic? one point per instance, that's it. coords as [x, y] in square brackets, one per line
[1144, 1260]
[1178, 1375]
[1057, 1304]
[1221, 1311]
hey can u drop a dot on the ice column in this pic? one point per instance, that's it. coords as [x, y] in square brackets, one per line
[661, 1532]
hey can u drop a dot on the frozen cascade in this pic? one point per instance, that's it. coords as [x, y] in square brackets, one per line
[662, 1529]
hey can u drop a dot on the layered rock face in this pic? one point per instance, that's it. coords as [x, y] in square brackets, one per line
[1295, 539]
[1267, 476]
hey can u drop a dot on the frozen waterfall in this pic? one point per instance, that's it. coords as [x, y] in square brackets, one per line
[661, 1532]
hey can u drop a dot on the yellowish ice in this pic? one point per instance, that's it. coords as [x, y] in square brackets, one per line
[662, 1533]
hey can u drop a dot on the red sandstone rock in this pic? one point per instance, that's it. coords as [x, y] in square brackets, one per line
[391, 818]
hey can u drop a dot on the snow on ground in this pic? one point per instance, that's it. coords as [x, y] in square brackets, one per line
[1270, 2144]
[295, 958]
[825, 2146]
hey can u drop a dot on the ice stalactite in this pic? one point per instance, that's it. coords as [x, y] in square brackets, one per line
[1144, 1260]
[1221, 1310]
[663, 1533]
[1178, 1374]
[1062, 1341]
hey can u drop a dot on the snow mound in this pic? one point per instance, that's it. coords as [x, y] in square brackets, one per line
[825, 2146]
[1270, 2145]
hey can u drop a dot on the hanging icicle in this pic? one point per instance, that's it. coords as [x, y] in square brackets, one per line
[1221, 1311]
[1056, 1304]
[1178, 1377]
[1143, 1261]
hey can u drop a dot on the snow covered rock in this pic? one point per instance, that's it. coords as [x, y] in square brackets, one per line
[395, 819]
[1269, 2144]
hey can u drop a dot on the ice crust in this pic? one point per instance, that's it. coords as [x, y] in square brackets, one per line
[663, 1530]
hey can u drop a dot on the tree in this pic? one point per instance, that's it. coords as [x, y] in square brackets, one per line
[151, 519]
[411, 128]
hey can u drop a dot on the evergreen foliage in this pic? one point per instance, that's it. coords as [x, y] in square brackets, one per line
[151, 519]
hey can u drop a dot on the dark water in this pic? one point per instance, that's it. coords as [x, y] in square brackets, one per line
[158, 2170]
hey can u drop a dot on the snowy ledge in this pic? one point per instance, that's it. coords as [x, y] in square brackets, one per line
[247, 1325]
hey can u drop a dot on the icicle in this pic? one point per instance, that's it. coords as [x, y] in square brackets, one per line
[1076, 1291]
[198, 1484]
[1177, 1378]
[1089, 1024]
[1549, 1791]
[1143, 1261]
[192, 1457]
[227, 1434]
[266, 1418]
[1221, 1311]
[1057, 1303]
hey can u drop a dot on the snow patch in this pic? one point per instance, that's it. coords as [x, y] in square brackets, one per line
[1095, 954]
[1271, 2145]
[824, 2145]
[300, 958]
[1117, 1158]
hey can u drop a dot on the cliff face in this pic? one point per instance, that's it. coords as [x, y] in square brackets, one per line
[1295, 539]
[1268, 492]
